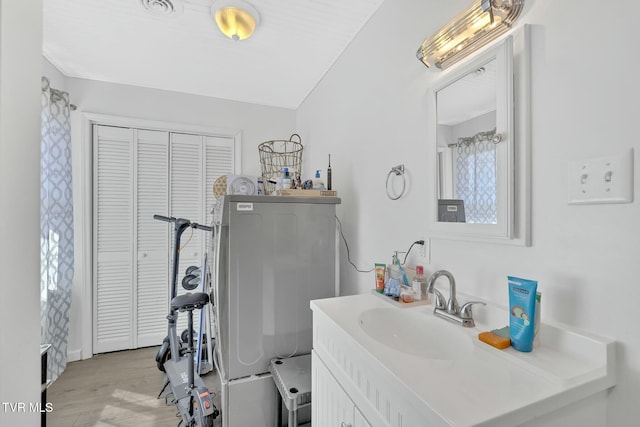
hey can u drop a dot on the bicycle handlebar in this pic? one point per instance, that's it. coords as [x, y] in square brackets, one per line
[186, 221]
[201, 227]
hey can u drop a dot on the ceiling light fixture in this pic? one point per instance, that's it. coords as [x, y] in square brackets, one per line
[481, 23]
[236, 19]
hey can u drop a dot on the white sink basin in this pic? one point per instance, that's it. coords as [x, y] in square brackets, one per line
[416, 332]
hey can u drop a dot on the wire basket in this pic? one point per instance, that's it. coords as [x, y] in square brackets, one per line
[277, 155]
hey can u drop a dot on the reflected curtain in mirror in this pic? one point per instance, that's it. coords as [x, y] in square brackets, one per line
[475, 176]
[466, 108]
[56, 222]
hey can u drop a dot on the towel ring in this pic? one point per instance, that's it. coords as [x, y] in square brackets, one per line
[398, 171]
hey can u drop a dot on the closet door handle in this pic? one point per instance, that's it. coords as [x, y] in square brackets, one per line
[343, 424]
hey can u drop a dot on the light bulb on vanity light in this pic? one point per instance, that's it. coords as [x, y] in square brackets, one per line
[478, 25]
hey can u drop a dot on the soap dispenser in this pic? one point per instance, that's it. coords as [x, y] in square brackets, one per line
[318, 184]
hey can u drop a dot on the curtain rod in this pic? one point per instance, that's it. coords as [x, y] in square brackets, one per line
[489, 135]
[56, 94]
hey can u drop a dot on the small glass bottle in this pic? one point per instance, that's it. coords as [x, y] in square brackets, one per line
[407, 294]
[297, 181]
[417, 283]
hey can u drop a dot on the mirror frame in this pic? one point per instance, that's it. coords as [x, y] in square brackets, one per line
[512, 121]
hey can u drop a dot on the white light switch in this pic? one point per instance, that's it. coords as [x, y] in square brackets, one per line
[602, 180]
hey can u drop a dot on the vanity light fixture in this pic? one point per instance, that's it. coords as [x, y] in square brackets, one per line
[481, 23]
[236, 19]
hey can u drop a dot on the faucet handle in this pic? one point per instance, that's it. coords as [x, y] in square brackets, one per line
[440, 301]
[465, 310]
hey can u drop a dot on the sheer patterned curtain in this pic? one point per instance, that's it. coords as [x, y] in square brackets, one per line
[475, 160]
[56, 223]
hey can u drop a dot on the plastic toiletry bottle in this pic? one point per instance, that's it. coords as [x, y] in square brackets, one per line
[417, 283]
[318, 183]
[260, 187]
[405, 280]
[286, 179]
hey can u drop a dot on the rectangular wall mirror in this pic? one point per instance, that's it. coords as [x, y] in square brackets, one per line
[479, 161]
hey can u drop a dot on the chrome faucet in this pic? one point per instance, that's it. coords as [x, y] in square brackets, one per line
[452, 305]
[451, 310]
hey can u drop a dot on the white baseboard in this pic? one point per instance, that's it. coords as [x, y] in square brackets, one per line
[74, 355]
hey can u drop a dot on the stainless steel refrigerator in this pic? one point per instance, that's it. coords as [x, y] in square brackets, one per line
[273, 255]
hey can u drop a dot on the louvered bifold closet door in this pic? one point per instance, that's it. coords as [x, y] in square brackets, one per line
[186, 201]
[113, 248]
[219, 160]
[139, 173]
[152, 237]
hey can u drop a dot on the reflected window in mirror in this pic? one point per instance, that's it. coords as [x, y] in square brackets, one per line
[467, 144]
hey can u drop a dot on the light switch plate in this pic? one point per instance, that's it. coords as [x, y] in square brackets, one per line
[602, 180]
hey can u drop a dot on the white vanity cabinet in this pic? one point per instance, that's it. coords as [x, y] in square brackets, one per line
[378, 365]
[331, 405]
[345, 376]
[358, 419]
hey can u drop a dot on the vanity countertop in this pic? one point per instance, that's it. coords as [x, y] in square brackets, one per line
[480, 385]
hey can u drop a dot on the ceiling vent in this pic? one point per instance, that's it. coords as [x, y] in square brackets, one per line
[163, 7]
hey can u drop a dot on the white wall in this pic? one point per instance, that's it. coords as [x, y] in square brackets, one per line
[483, 123]
[20, 71]
[256, 123]
[369, 112]
[57, 80]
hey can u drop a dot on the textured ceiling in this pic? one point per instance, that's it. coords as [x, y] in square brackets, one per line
[120, 41]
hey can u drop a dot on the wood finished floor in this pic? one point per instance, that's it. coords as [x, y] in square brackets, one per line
[113, 390]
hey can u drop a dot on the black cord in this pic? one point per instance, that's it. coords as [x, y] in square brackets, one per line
[417, 242]
[347, 246]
